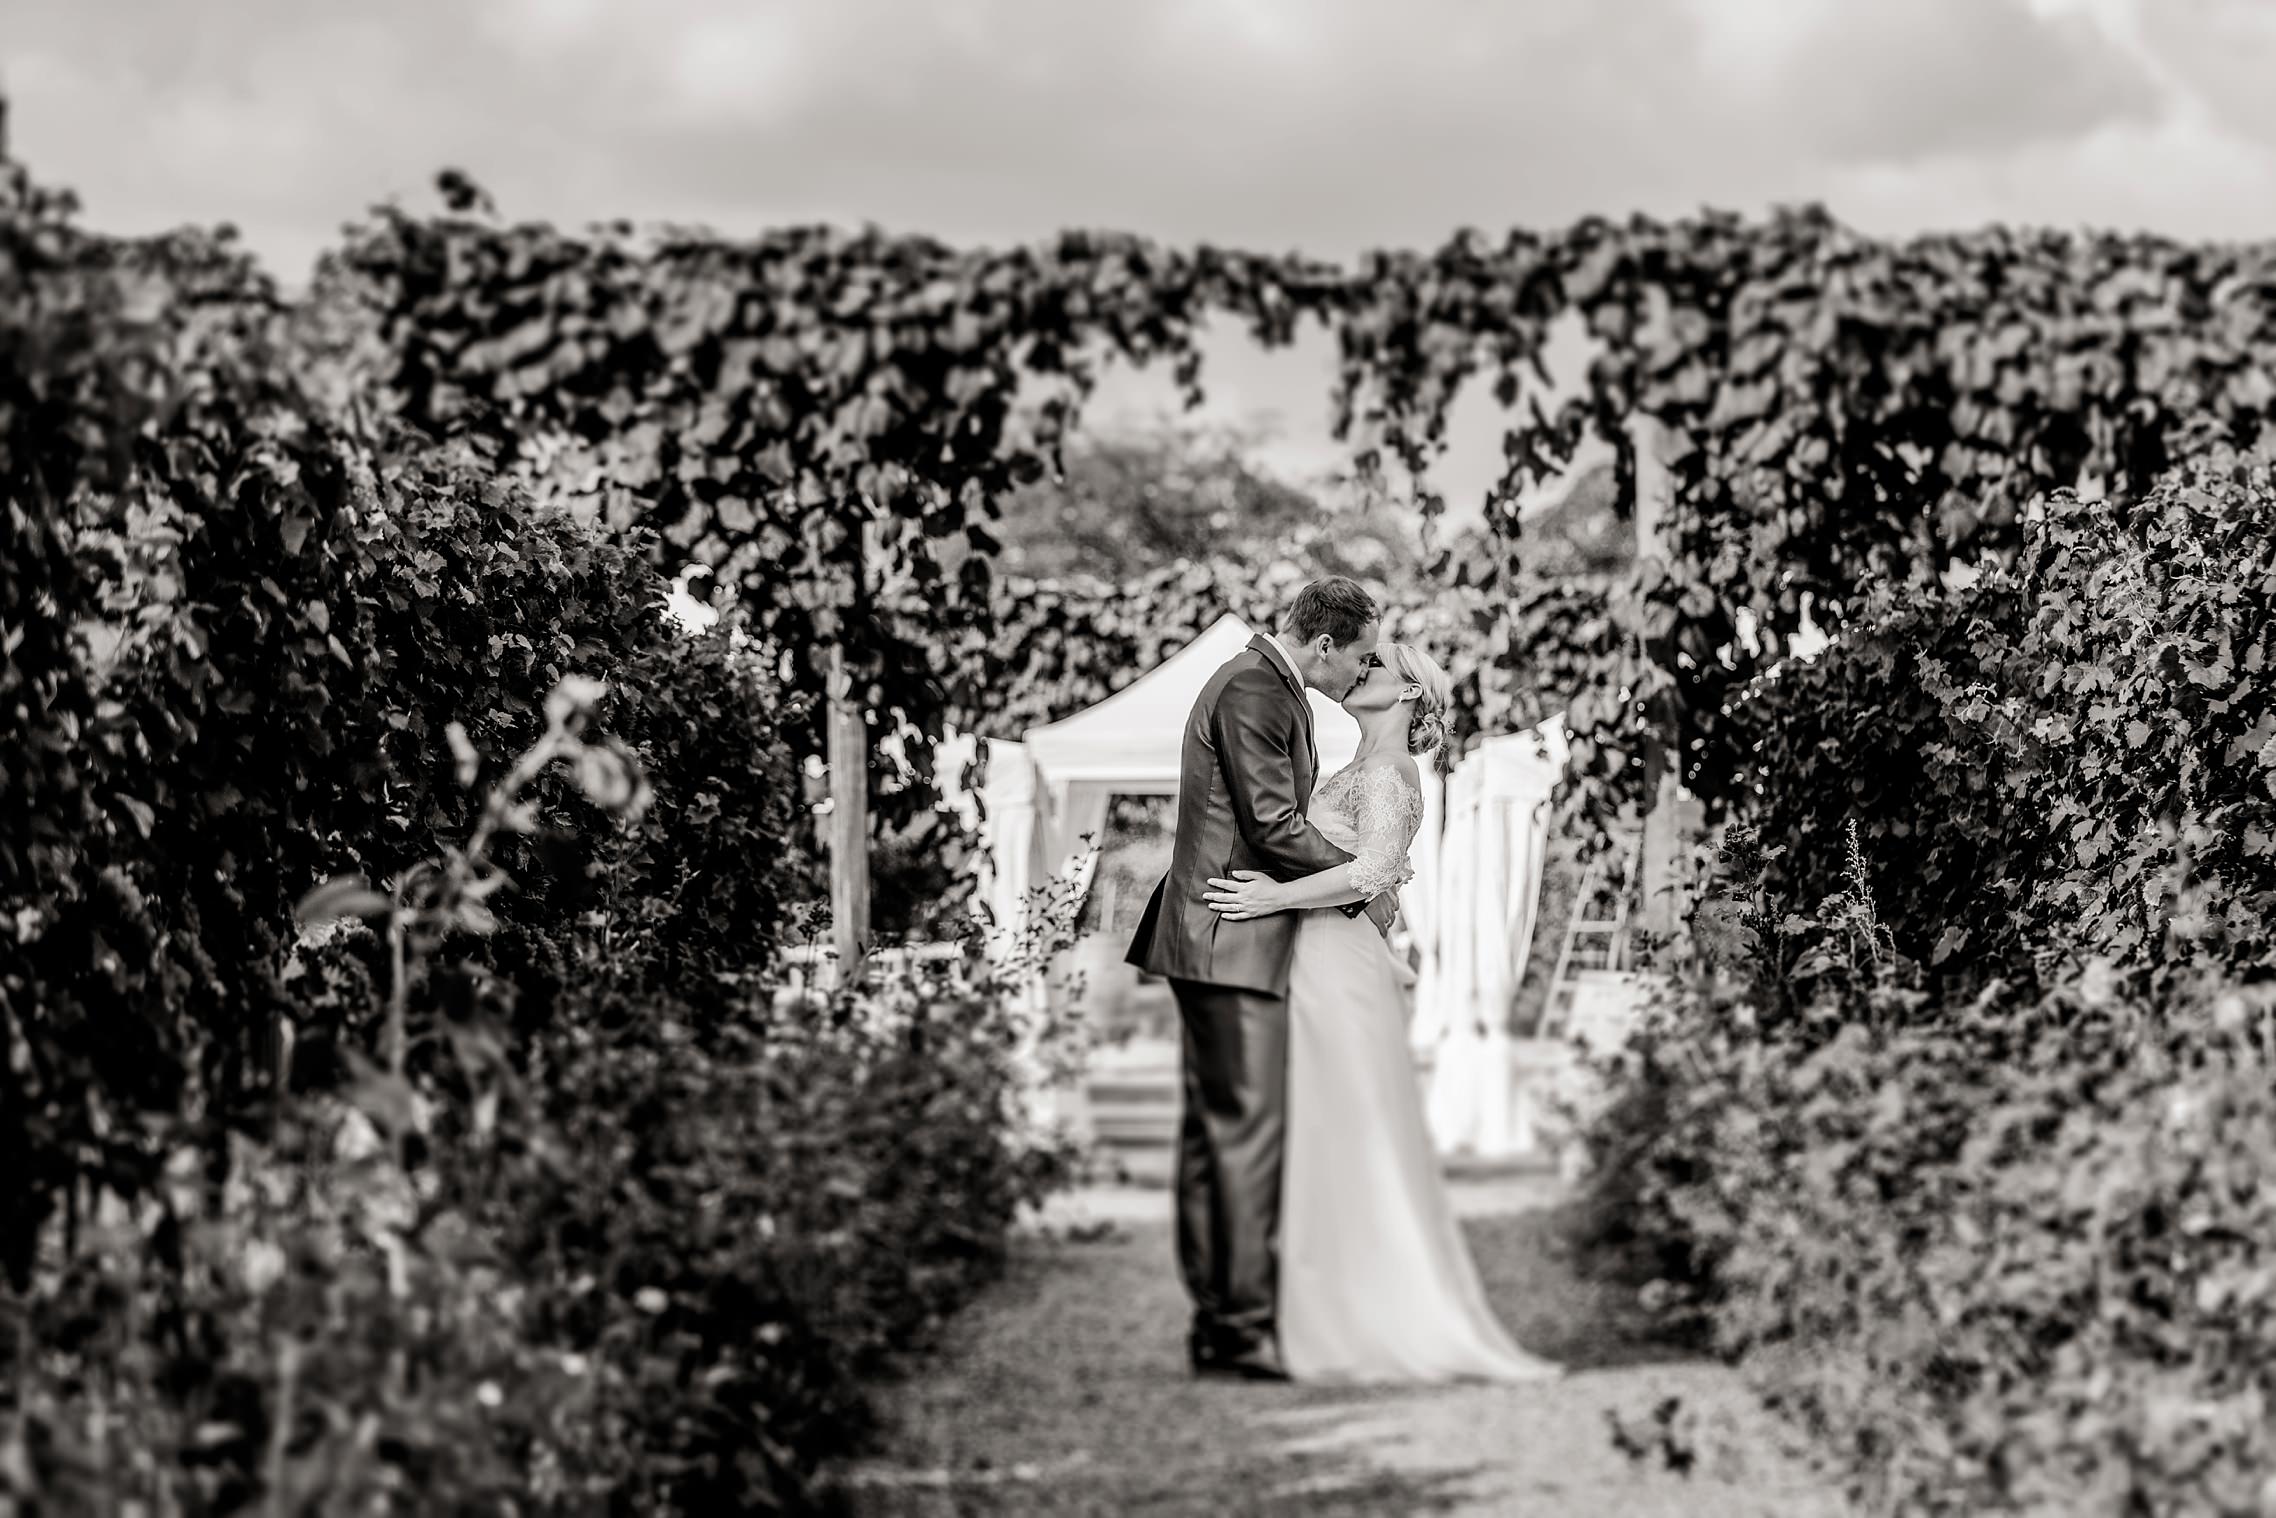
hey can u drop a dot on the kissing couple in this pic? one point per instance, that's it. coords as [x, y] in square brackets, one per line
[1314, 1231]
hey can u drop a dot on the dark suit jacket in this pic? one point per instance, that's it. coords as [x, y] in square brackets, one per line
[1246, 774]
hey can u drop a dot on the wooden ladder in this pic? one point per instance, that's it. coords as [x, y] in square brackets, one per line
[1606, 938]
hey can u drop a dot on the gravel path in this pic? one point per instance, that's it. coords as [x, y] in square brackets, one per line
[1064, 1391]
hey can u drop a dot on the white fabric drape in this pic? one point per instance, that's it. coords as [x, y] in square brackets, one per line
[1008, 801]
[1444, 1033]
[1528, 825]
[1419, 906]
[1492, 987]
[1074, 827]
[1450, 833]
[1013, 866]
[1490, 871]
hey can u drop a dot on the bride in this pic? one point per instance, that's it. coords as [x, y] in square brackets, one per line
[1376, 1282]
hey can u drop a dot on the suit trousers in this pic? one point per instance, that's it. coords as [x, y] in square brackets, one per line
[1229, 1155]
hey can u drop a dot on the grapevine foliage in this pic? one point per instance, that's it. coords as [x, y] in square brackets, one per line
[1988, 1048]
[2072, 757]
[1841, 410]
[236, 635]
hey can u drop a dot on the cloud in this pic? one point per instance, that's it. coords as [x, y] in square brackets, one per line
[544, 24]
[1331, 125]
[2220, 53]
[1930, 78]
[2186, 175]
[2197, 159]
[753, 66]
[1327, 125]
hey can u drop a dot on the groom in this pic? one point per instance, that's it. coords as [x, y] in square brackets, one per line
[1246, 775]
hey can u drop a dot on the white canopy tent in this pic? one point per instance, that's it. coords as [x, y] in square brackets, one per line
[1044, 796]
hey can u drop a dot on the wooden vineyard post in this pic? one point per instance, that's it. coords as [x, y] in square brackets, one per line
[1663, 838]
[848, 759]
[849, 822]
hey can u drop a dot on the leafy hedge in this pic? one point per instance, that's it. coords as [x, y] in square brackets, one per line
[1955, 1129]
[246, 631]
[828, 421]
[653, 1273]
[819, 414]
[2007, 1253]
[502, 1182]
[2046, 763]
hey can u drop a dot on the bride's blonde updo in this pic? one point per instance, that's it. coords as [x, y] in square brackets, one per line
[1433, 720]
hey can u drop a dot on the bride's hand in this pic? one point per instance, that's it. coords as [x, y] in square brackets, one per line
[1248, 894]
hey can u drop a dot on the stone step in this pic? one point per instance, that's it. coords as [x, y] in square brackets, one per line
[1154, 1057]
[1134, 1125]
[1131, 1091]
[1133, 1094]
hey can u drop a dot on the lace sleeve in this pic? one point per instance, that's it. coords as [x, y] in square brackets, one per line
[1387, 813]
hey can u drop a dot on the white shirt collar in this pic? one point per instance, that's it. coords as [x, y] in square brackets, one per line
[1286, 657]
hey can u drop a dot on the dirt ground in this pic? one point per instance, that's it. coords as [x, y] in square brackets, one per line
[1064, 1391]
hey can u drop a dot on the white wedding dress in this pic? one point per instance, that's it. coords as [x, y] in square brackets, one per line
[1376, 1281]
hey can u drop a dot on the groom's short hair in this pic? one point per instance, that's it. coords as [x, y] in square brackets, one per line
[1336, 606]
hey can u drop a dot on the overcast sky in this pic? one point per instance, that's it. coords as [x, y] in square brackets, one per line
[1322, 125]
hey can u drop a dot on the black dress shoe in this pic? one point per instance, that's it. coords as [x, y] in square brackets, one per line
[1256, 1362]
[1206, 1346]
